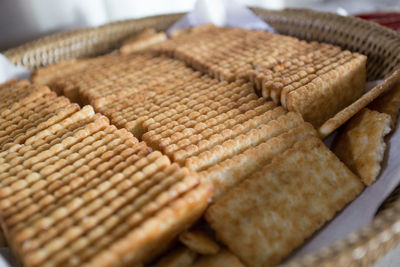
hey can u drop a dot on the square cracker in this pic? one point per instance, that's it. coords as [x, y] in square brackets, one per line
[361, 146]
[276, 209]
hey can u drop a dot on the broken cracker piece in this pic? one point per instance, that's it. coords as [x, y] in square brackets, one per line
[199, 241]
[361, 145]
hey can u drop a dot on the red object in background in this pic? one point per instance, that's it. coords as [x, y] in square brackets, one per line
[388, 19]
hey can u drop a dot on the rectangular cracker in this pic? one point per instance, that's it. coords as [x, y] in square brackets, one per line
[361, 145]
[95, 195]
[276, 209]
[49, 74]
[230, 172]
[331, 92]
[242, 142]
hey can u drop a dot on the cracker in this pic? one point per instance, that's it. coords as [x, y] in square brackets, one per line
[49, 124]
[167, 223]
[178, 257]
[331, 92]
[48, 75]
[361, 145]
[230, 172]
[309, 183]
[313, 70]
[142, 41]
[34, 109]
[223, 258]
[242, 142]
[21, 95]
[345, 114]
[314, 79]
[97, 180]
[28, 127]
[389, 103]
[216, 134]
[199, 241]
[125, 75]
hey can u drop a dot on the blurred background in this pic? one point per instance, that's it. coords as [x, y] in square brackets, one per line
[25, 20]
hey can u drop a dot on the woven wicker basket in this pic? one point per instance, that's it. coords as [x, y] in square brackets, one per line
[381, 45]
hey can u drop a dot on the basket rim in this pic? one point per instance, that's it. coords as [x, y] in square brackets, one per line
[371, 241]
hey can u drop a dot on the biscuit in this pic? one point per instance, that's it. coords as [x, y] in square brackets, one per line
[199, 241]
[326, 95]
[142, 41]
[230, 172]
[361, 145]
[309, 184]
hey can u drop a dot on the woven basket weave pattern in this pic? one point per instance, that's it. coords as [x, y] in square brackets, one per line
[84, 42]
[381, 45]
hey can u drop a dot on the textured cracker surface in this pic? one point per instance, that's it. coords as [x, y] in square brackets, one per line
[315, 79]
[142, 41]
[326, 95]
[276, 209]
[361, 145]
[76, 191]
[199, 241]
[389, 103]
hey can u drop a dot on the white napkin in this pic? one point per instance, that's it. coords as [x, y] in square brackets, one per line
[9, 71]
[221, 13]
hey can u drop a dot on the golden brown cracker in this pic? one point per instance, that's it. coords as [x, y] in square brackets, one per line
[331, 92]
[142, 41]
[230, 172]
[91, 182]
[309, 183]
[361, 145]
[199, 241]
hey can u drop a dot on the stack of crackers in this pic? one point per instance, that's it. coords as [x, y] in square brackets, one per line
[220, 176]
[313, 79]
